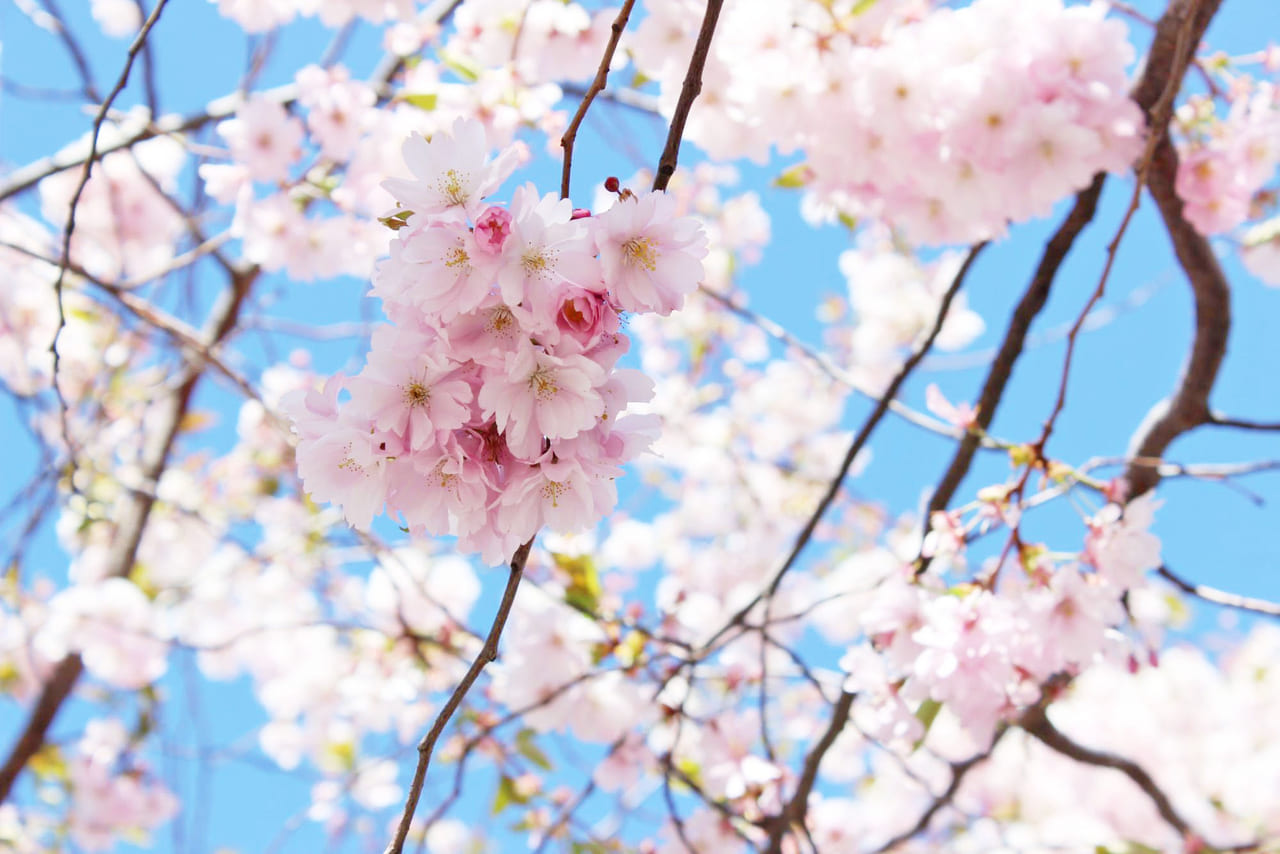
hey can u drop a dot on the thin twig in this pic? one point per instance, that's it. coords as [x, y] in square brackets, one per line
[78, 58]
[488, 653]
[1219, 420]
[855, 447]
[597, 86]
[69, 228]
[958, 772]
[688, 92]
[1220, 597]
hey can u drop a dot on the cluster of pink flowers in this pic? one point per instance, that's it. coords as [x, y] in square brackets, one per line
[1224, 163]
[491, 406]
[948, 127]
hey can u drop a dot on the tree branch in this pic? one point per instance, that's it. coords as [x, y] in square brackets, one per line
[130, 521]
[1036, 723]
[688, 92]
[1187, 406]
[597, 86]
[488, 653]
[859, 442]
[1220, 597]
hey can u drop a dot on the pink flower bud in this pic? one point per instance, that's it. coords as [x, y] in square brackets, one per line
[493, 227]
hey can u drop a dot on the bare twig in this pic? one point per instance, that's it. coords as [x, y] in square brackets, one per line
[1220, 597]
[139, 41]
[1036, 723]
[597, 86]
[1015, 337]
[488, 653]
[958, 772]
[855, 447]
[131, 516]
[1219, 420]
[688, 92]
[793, 813]
[78, 58]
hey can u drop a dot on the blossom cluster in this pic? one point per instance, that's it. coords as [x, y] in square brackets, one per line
[491, 405]
[1224, 163]
[948, 127]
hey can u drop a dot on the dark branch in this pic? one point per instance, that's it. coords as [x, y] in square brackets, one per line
[488, 653]
[1036, 722]
[1220, 597]
[688, 92]
[597, 86]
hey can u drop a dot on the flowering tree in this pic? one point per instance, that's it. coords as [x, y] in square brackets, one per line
[718, 628]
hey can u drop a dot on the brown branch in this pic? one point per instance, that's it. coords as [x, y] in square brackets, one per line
[1165, 63]
[793, 813]
[131, 519]
[78, 59]
[1219, 420]
[597, 86]
[98, 121]
[1015, 337]
[688, 92]
[1036, 723]
[1187, 406]
[958, 772]
[859, 442]
[488, 653]
[1220, 597]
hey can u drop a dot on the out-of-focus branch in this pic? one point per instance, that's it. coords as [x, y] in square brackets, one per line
[220, 108]
[958, 772]
[72, 207]
[131, 518]
[488, 653]
[859, 442]
[1037, 724]
[828, 366]
[688, 92]
[1187, 406]
[78, 59]
[793, 813]
[1220, 597]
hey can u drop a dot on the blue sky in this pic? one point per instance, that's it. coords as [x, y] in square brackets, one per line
[1212, 533]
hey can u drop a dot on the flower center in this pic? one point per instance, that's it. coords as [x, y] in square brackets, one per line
[553, 489]
[416, 394]
[640, 252]
[457, 258]
[451, 187]
[543, 383]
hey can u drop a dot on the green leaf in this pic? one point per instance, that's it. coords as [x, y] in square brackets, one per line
[506, 795]
[861, 6]
[926, 714]
[793, 177]
[426, 101]
[529, 749]
[584, 589]
[468, 71]
[849, 222]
